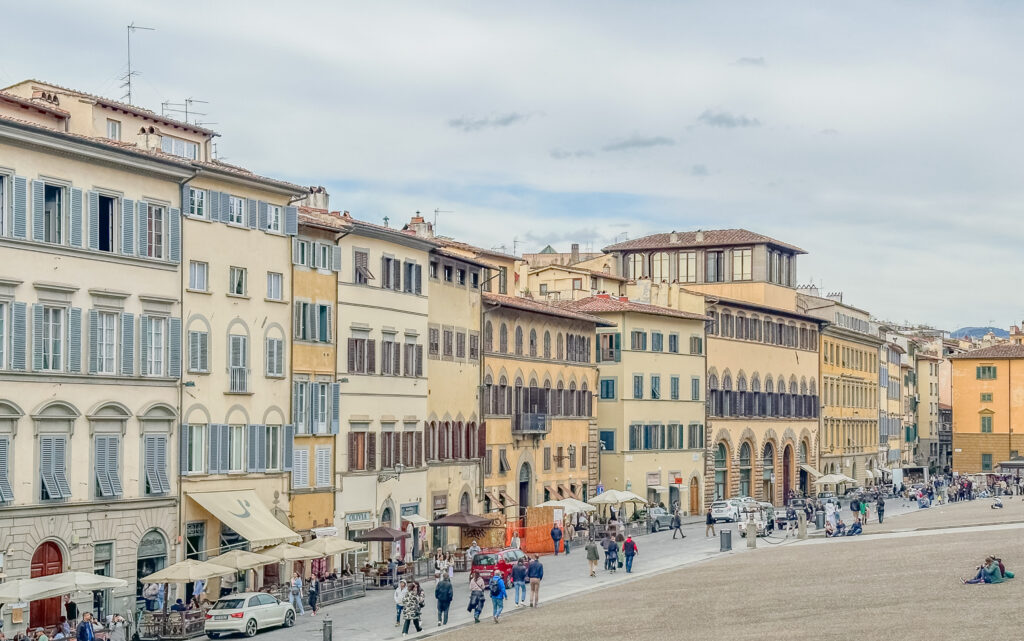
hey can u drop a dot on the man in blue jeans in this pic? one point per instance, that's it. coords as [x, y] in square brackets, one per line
[629, 549]
[556, 536]
[498, 594]
[519, 582]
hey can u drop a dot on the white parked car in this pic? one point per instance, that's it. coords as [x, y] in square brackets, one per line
[727, 510]
[247, 613]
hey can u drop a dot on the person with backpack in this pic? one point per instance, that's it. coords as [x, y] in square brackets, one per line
[498, 594]
[677, 525]
[629, 549]
[444, 594]
[611, 555]
[535, 572]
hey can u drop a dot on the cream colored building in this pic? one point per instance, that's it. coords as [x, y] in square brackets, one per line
[927, 401]
[90, 353]
[650, 401]
[762, 378]
[382, 368]
[569, 282]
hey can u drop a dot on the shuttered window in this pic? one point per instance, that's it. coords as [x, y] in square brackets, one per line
[48, 328]
[196, 203]
[238, 364]
[154, 335]
[275, 357]
[198, 352]
[52, 468]
[323, 467]
[236, 447]
[6, 492]
[675, 388]
[362, 356]
[357, 454]
[107, 464]
[155, 458]
[300, 468]
[3, 307]
[192, 449]
[273, 438]
[390, 356]
[361, 267]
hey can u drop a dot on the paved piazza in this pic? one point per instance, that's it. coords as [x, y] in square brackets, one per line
[900, 585]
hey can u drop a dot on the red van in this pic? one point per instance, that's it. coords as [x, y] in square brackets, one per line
[487, 561]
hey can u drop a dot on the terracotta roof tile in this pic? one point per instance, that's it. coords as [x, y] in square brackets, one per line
[602, 304]
[530, 305]
[1004, 350]
[322, 218]
[711, 238]
[451, 242]
[41, 106]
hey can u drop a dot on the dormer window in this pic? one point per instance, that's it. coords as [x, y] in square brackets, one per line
[179, 147]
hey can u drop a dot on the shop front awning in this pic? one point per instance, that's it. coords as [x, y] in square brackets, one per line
[415, 519]
[552, 491]
[495, 497]
[869, 474]
[243, 512]
[564, 491]
[507, 500]
[657, 488]
[810, 470]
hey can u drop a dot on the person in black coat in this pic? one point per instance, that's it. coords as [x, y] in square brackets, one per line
[444, 594]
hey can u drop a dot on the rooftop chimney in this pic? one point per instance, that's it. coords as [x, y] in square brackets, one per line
[700, 236]
[604, 296]
[673, 237]
[623, 299]
[316, 198]
[574, 254]
[419, 226]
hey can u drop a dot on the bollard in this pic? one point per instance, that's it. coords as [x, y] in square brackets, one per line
[328, 629]
[725, 540]
[801, 531]
[819, 519]
[751, 532]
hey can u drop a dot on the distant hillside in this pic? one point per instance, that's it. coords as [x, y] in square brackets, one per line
[978, 332]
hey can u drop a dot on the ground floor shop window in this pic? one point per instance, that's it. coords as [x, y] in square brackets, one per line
[151, 557]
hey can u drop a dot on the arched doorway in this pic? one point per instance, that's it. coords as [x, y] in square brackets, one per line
[524, 488]
[804, 480]
[151, 557]
[464, 503]
[46, 560]
[694, 496]
[387, 518]
[787, 471]
[768, 473]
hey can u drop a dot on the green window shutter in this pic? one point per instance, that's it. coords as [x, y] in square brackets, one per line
[618, 347]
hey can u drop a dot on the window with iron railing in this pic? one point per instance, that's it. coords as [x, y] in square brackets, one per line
[238, 364]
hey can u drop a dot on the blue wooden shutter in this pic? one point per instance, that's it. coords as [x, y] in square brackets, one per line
[59, 467]
[250, 210]
[143, 345]
[314, 397]
[76, 216]
[19, 222]
[19, 338]
[291, 220]
[186, 197]
[100, 464]
[114, 464]
[213, 448]
[225, 448]
[75, 340]
[287, 447]
[174, 231]
[46, 466]
[295, 400]
[161, 464]
[261, 208]
[128, 227]
[225, 207]
[213, 205]
[93, 199]
[336, 259]
[37, 337]
[38, 204]
[336, 405]
[261, 448]
[142, 208]
[252, 447]
[183, 445]
[127, 344]
[6, 492]
[174, 347]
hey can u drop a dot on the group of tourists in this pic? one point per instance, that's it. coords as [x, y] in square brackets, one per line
[991, 571]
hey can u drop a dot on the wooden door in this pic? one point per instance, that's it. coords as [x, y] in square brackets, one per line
[694, 496]
[46, 560]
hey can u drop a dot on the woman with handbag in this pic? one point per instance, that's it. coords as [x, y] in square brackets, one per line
[295, 594]
[476, 596]
[413, 604]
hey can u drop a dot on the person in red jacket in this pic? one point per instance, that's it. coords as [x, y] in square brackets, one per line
[630, 549]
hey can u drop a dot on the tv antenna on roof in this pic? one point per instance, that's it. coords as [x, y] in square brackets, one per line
[185, 109]
[439, 211]
[128, 76]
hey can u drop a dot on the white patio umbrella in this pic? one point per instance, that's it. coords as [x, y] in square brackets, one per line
[571, 506]
[243, 560]
[615, 497]
[45, 587]
[187, 571]
[289, 552]
[331, 545]
[581, 506]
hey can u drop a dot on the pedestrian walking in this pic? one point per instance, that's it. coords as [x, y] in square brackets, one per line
[498, 594]
[864, 512]
[880, 508]
[314, 593]
[295, 593]
[444, 593]
[84, 632]
[593, 556]
[535, 572]
[629, 549]
[709, 524]
[118, 628]
[519, 582]
[611, 555]
[567, 542]
[400, 593]
[556, 536]
[412, 607]
[677, 525]
[476, 595]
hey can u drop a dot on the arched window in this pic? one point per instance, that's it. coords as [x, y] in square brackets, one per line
[745, 469]
[769, 331]
[532, 402]
[545, 397]
[488, 395]
[458, 440]
[742, 398]
[570, 401]
[767, 469]
[711, 324]
[754, 331]
[741, 325]
[547, 344]
[557, 402]
[570, 347]
[721, 472]
[635, 266]
[488, 337]
[728, 402]
[815, 403]
[714, 396]
[558, 347]
[517, 398]
[519, 341]
[585, 401]
[503, 339]
[726, 324]
[803, 452]
[756, 399]
[533, 343]
[770, 405]
[791, 410]
[432, 448]
[804, 402]
[659, 267]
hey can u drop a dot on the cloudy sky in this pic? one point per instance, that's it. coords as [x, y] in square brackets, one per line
[879, 137]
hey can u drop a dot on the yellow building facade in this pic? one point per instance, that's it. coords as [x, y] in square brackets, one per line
[571, 282]
[650, 403]
[539, 382]
[988, 389]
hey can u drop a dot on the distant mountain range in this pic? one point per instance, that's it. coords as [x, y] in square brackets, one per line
[978, 332]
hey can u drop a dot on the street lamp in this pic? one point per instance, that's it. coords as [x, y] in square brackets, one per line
[391, 476]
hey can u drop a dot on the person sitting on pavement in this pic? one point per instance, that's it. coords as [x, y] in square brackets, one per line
[855, 529]
[987, 573]
[1002, 568]
[840, 528]
[997, 504]
[830, 529]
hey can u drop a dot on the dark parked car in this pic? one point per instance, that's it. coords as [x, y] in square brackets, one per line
[660, 519]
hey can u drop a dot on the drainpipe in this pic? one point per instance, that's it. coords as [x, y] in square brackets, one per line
[181, 386]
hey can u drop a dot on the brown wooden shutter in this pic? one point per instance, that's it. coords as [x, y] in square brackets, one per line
[351, 355]
[371, 451]
[397, 269]
[397, 358]
[371, 356]
[419, 450]
[481, 439]
[419, 360]
[352, 451]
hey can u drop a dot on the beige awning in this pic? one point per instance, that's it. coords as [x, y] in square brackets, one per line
[810, 470]
[869, 474]
[495, 497]
[243, 512]
[507, 500]
[416, 520]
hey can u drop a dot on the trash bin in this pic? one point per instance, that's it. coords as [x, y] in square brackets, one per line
[819, 519]
[725, 538]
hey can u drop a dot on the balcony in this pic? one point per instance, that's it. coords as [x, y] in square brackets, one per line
[531, 423]
[239, 380]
